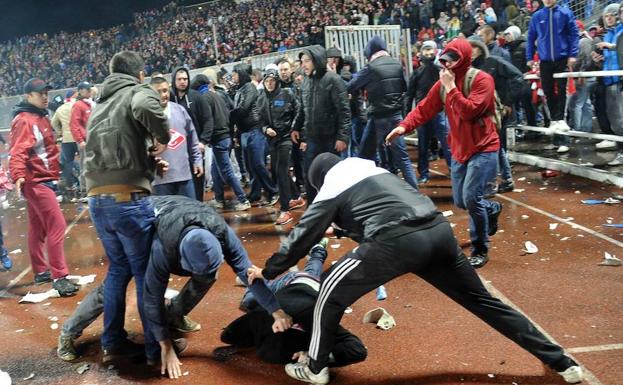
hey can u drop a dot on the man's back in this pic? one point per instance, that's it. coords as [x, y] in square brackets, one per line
[387, 87]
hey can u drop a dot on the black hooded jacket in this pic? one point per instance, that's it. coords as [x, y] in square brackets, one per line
[421, 82]
[246, 113]
[218, 108]
[279, 110]
[24, 106]
[509, 82]
[356, 99]
[325, 102]
[517, 50]
[196, 107]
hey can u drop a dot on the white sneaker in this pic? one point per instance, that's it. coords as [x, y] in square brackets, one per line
[300, 371]
[573, 375]
[560, 125]
[562, 149]
[606, 145]
[617, 161]
[549, 147]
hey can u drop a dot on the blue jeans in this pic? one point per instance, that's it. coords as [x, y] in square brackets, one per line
[315, 148]
[69, 151]
[437, 127]
[126, 231]
[580, 106]
[313, 267]
[222, 172]
[356, 133]
[254, 149]
[469, 182]
[185, 188]
[398, 149]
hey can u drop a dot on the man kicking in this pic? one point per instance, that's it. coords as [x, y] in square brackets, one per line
[399, 231]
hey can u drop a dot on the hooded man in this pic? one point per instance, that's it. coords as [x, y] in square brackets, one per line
[473, 139]
[326, 127]
[384, 81]
[246, 116]
[199, 112]
[399, 231]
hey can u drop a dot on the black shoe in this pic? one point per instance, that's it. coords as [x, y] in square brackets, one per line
[42, 278]
[493, 220]
[478, 260]
[64, 287]
[506, 186]
[127, 349]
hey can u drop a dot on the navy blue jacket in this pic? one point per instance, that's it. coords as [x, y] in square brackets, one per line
[556, 33]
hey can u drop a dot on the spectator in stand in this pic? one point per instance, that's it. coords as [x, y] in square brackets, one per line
[182, 149]
[554, 35]
[69, 148]
[579, 107]
[34, 166]
[516, 46]
[487, 34]
[80, 112]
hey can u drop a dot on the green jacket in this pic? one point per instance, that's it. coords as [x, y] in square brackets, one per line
[121, 129]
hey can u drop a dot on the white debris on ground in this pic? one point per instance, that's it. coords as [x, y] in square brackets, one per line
[39, 297]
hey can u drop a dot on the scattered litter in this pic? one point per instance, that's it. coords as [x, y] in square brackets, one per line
[565, 238]
[348, 310]
[82, 280]
[83, 368]
[47, 304]
[19, 331]
[54, 326]
[30, 377]
[53, 319]
[170, 293]
[524, 216]
[542, 188]
[587, 164]
[616, 225]
[5, 379]
[335, 246]
[610, 260]
[16, 251]
[549, 173]
[609, 201]
[39, 297]
[577, 192]
[185, 373]
[521, 179]
[569, 219]
[408, 305]
[552, 226]
[519, 190]
[530, 247]
[381, 293]
[612, 201]
[491, 375]
[380, 317]
[448, 213]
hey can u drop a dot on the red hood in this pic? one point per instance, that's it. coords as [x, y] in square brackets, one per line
[464, 50]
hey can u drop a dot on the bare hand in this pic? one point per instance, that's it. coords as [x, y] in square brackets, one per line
[340, 146]
[530, 63]
[597, 57]
[162, 166]
[254, 273]
[270, 132]
[332, 67]
[157, 148]
[571, 61]
[83, 145]
[300, 356]
[198, 171]
[447, 79]
[18, 185]
[169, 361]
[202, 147]
[605, 45]
[396, 132]
[295, 135]
[282, 322]
[508, 110]
[303, 146]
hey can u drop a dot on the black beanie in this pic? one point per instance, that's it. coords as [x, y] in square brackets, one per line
[320, 167]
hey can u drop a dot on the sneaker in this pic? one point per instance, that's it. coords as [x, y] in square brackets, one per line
[296, 203]
[324, 242]
[42, 278]
[284, 218]
[217, 204]
[573, 374]
[7, 264]
[506, 186]
[493, 220]
[478, 260]
[65, 349]
[549, 147]
[423, 180]
[242, 206]
[559, 125]
[562, 149]
[606, 145]
[300, 371]
[127, 349]
[272, 200]
[185, 324]
[64, 287]
[617, 161]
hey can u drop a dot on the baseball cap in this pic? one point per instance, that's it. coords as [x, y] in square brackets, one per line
[84, 86]
[36, 85]
[450, 56]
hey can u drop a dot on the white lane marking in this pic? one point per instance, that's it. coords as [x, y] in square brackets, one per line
[597, 348]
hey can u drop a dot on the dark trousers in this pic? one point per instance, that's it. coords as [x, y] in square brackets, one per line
[69, 151]
[198, 187]
[601, 110]
[280, 154]
[439, 261]
[315, 148]
[555, 89]
[297, 166]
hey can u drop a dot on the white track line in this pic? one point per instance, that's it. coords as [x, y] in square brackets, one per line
[597, 348]
[21, 275]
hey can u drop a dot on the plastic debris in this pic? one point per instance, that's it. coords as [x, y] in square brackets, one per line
[448, 213]
[491, 375]
[82, 280]
[39, 297]
[610, 260]
[615, 225]
[348, 310]
[170, 293]
[530, 247]
[609, 201]
[53, 319]
[335, 246]
[565, 238]
[552, 226]
[525, 216]
[519, 190]
[381, 293]
[30, 377]
[549, 173]
[185, 373]
[577, 192]
[19, 331]
[380, 317]
[5, 379]
[16, 251]
[54, 326]
[521, 179]
[83, 368]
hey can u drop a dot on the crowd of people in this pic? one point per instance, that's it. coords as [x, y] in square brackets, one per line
[299, 134]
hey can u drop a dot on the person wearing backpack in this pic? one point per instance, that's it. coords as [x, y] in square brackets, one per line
[473, 139]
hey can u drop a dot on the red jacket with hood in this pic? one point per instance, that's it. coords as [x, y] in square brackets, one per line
[472, 130]
[33, 150]
[80, 112]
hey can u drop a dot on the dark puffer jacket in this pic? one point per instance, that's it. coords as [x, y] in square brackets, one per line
[279, 110]
[246, 114]
[325, 102]
[217, 108]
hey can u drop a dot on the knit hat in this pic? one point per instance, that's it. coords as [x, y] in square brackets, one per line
[429, 44]
[611, 9]
[320, 167]
[514, 31]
